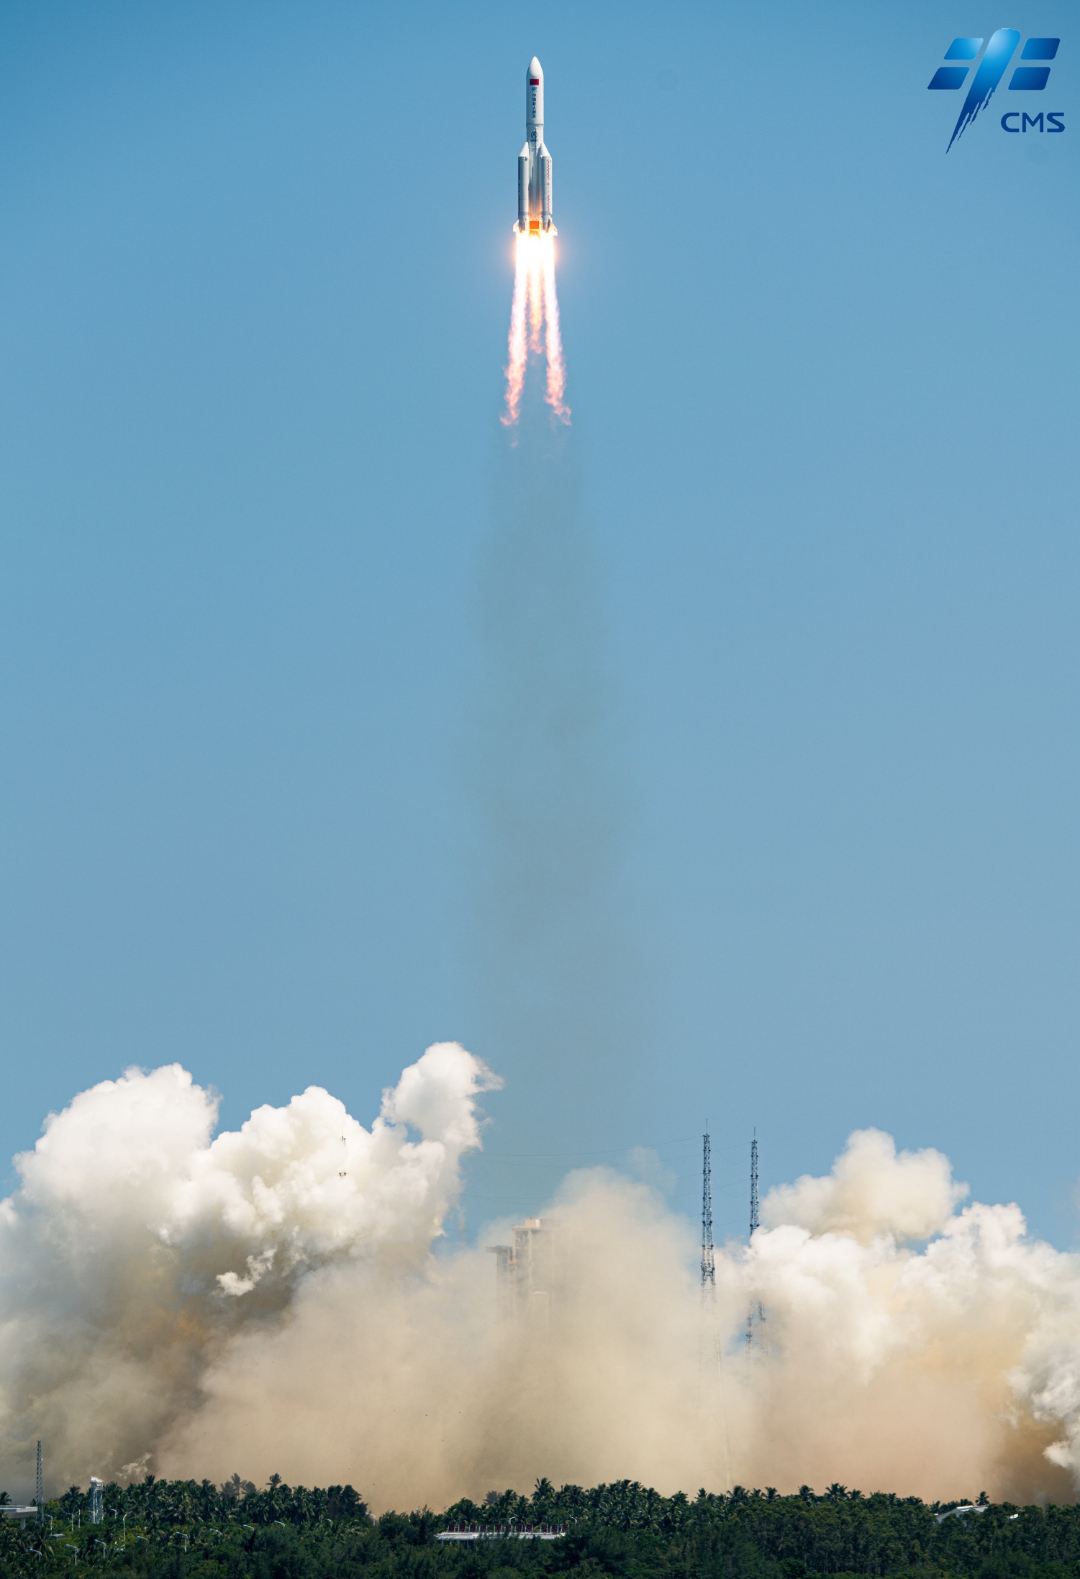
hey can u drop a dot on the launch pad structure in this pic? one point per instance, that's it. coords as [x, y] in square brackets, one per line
[505, 1532]
[708, 1249]
[756, 1318]
[525, 1272]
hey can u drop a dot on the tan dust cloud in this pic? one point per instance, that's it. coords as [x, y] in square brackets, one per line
[268, 1301]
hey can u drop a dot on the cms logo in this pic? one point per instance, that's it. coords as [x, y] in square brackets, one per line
[1054, 122]
[988, 68]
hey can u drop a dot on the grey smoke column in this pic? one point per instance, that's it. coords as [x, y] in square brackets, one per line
[561, 982]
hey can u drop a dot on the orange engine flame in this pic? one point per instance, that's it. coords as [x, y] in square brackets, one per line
[534, 326]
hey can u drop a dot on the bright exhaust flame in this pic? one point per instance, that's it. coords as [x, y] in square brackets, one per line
[534, 326]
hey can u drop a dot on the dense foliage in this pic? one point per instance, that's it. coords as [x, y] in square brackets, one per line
[195, 1530]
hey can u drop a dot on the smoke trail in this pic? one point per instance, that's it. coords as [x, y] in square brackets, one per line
[561, 987]
[562, 995]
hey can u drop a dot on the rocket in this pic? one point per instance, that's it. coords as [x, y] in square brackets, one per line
[534, 161]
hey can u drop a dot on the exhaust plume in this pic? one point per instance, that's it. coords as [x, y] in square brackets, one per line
[534, 326]
[268, 1300]
[561, 989]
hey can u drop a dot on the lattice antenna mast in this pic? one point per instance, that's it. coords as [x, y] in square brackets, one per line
[39, 1489]
[757, 1314]
[708, 1255]
[710, 1356]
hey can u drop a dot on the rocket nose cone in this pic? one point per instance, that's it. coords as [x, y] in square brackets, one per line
[535, 69]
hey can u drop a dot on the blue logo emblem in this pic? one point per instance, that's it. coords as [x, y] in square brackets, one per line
[990, 70]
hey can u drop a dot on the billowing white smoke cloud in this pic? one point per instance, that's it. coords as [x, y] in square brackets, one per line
[947, 1366]
[267, 1301]
[138, 1247]
[871, 1191]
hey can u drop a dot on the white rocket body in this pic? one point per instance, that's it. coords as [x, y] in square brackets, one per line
[534, 161]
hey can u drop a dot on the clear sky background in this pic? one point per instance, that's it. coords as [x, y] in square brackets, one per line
[255, 274]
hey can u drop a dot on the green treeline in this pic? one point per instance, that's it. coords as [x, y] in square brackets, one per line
[196, 1530]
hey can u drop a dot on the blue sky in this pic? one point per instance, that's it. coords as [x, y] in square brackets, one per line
[255, 278]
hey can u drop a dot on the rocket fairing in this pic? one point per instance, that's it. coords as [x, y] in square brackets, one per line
[534, 161]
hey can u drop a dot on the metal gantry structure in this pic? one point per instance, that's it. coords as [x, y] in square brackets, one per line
[525, 1272]
[39, 1489]
[708, 1253]
[710, 1350]
[756, 1314]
